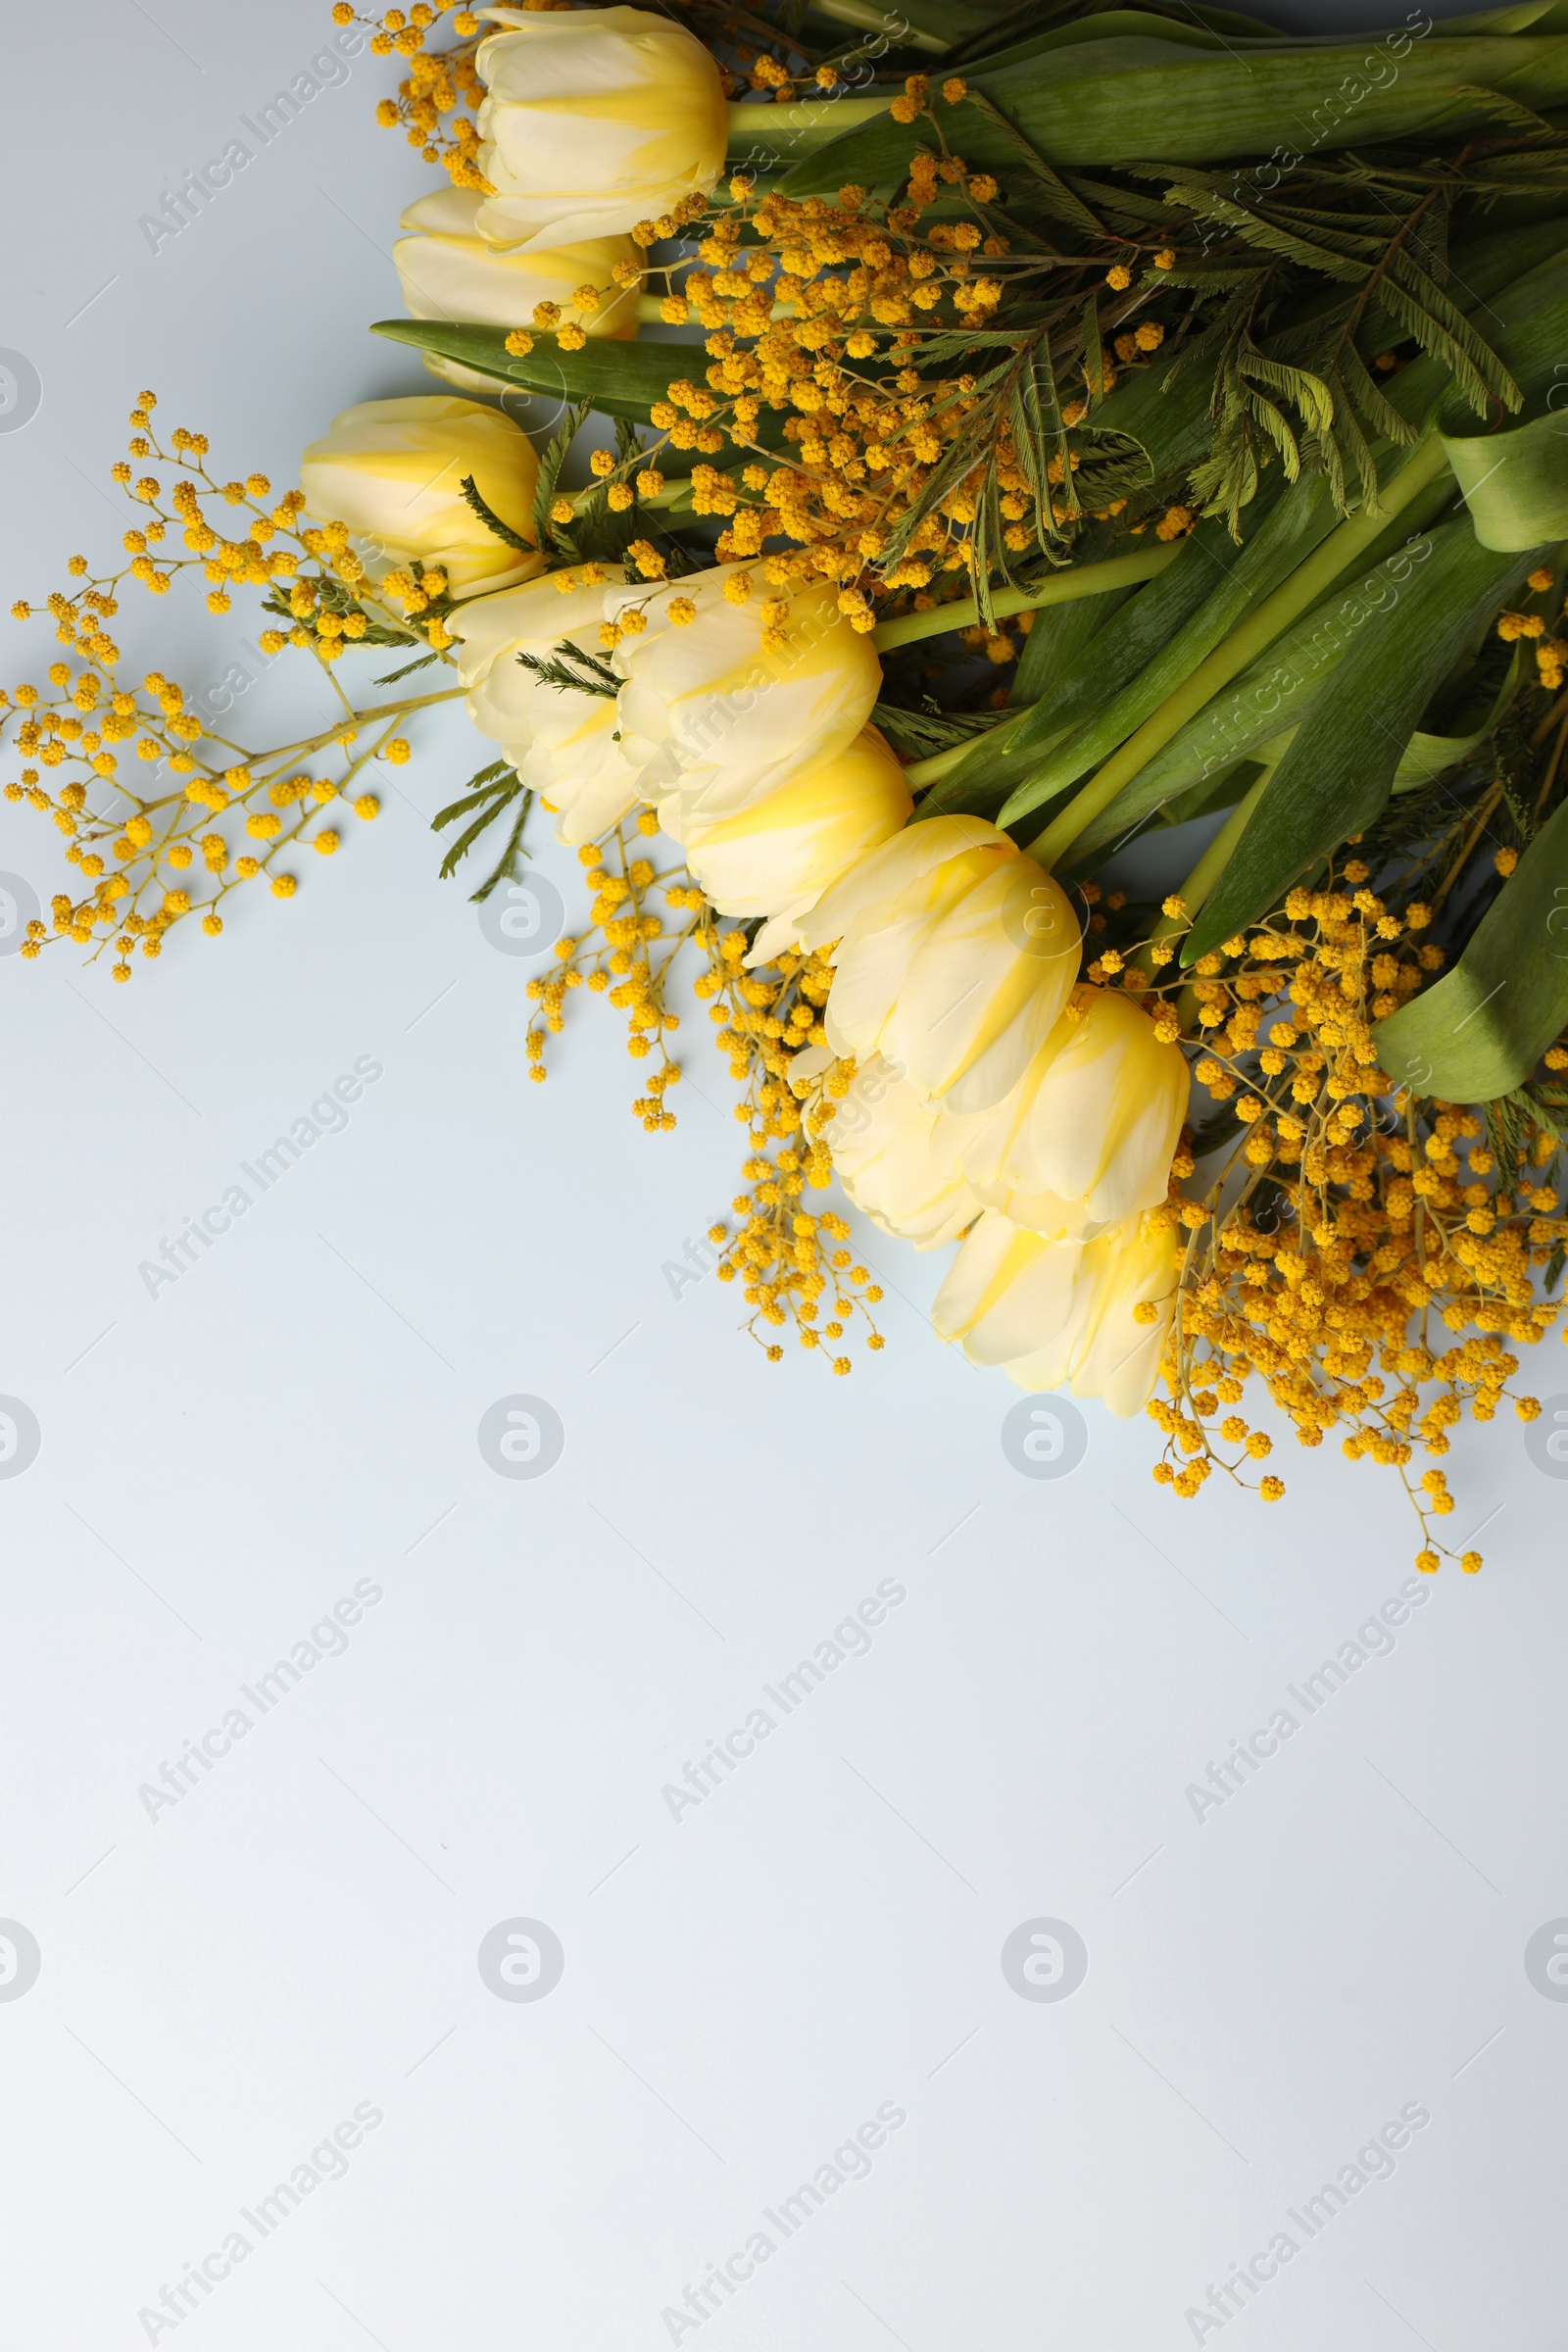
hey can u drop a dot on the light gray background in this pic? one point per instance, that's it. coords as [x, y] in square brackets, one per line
[742, 1987]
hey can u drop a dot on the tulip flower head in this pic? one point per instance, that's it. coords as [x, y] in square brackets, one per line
[881, 1143]
[956, 957]
[393, 471]
[730, 691]
[1089, 1315]
[776, 853]
[1087, 1136]
[597, 119]
[448, 271]
[561, 741]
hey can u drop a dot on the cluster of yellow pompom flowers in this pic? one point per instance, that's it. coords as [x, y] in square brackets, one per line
[439, 85]
[619, 956]
[765, 1015]
[163, 818]
[802, 303]
[1348, 1217]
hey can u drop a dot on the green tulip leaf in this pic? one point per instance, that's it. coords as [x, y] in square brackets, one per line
[1231, 576]
[1515, 484]
[1339, 770]
[1137, 96]
[1479, 1031]
[621, 379]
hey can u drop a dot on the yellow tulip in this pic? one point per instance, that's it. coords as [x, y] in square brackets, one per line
[596, 118]
[393, 471]
[1087, 1136]
[956, 957]
[723, 706]
[448, 271]
[776, 855]
[1064, 1313]
[561, 742]
[880, 1137]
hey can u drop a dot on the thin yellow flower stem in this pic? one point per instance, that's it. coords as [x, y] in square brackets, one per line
[1062, 588]
[280, 755]
[1252, 637]
[361, 718]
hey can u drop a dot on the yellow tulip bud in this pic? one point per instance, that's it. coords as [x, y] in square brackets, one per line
[778, 851]
[596, 118]
[563, 743]
[1087, 1136]
[881, 1141]
[449, 272]
[956, 957]
[1064, 1313]
[392, 470]
[741, 696]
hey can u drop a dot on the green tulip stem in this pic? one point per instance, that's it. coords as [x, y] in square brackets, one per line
[1215, 859]
[799, 127]
[1249, 638]
[866, 17]
[922, 772]
[1204, 874]
[1062, 588]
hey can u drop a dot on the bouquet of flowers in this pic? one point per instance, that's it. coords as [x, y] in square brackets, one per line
[986, 437]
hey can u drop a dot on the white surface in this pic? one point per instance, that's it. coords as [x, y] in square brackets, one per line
[220, 1988]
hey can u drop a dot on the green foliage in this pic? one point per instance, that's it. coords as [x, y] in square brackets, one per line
[921, 734]
[1478, 1032]
[490, 518]
[492, 792]
[395, 677]
[555, 538]
[623, 379]
[1305, 389]
[573, 671]
[1338, 770]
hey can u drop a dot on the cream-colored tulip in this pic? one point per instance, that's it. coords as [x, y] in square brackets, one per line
[596, 118]
[393, 471]
[722, 706]
[561, 742]
[449, 272]
[1087, 1136]
[955, 956]
[880, 1138]
[776, 855]
[1089, 1315]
